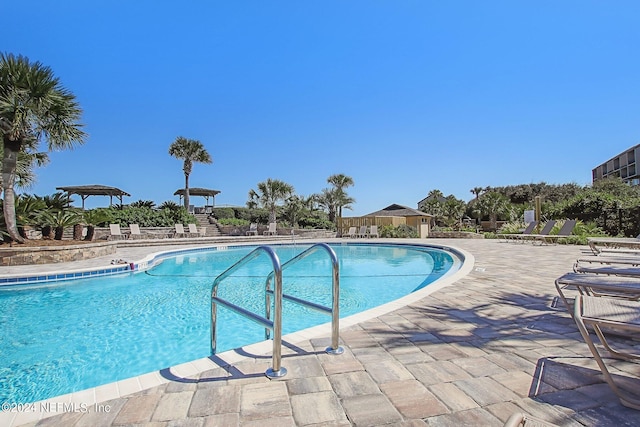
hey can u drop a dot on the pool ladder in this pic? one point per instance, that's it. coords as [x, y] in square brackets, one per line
[277, 371]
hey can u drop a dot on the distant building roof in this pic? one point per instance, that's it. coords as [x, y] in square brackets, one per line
[197, 192]
[398, 210]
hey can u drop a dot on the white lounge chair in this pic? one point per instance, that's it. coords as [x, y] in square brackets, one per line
[271, 231]
[193, 231]
[373, 231]
[363, 231]
[352, 233]
[115, 233]
[135, 231]
[253, 230]
[180, 231]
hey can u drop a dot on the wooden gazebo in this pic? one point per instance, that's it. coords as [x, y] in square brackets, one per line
[85, 191]
[202, 192]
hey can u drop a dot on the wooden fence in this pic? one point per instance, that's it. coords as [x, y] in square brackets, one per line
[358, 221]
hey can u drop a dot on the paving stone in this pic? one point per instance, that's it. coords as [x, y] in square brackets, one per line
[478, 366]
[100, 414]
[370, 410]
[263, 401]
[485, 390]
[353, 384]
[317, 408]
[388, 370]
[222, 420]
[436, 372]
[471, 417]
[172, 406]
[452, 396]
[138, 409]
[217, 400]
[308, 385]
[412, 399]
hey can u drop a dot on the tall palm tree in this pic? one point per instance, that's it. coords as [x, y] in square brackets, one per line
[34, 107]
[328, 200]
[476, 191]
[189, 150]
[492, 204]
[269, 193]
[342, 200]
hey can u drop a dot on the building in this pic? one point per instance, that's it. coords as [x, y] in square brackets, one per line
[394, 215]
[624, 166]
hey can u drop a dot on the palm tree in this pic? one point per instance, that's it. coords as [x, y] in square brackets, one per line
[492, 204]
[34, 107]
[269, 193]
[327, 199]
[476, 191]
[190, 151]
[342, 200]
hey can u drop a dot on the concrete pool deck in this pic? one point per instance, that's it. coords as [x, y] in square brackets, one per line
[472, 353]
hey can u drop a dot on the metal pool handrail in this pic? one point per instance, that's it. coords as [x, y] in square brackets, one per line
[276, 371]
[334, 311]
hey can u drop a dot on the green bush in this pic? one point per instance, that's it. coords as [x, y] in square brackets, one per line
[222, 213]
[233, 221]
[401, 231]
[147, 217]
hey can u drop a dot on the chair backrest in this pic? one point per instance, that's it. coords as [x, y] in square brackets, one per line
[135, 229]
[567, 227]
[547, 227]
[530, 227]
[272, 227]
[253, 226]
[373, 229]
[363, 230]
[114, 229]
[192, 208]
[193, 228]
[179, 228]
[352, 230]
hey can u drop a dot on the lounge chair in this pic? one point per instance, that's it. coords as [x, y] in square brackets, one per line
[514, 236]
[613, 260]
[115, 233]
[548, 226]
[253, 230]
[271, 231]
[564, 232]
[598, 285]
[363, 231]
[193, 231]
[614, 245]
[135, 231]
[179, 231]
[373, 231]
[352, 232]
[621, 317]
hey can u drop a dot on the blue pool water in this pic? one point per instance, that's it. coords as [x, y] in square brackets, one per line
[73, 335]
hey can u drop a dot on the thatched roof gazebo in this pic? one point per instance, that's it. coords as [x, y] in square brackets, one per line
[85, 191]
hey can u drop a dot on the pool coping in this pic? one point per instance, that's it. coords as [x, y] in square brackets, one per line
[89, 399]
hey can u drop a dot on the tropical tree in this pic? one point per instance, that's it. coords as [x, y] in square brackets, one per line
[492, 204]
[328, 200]
[190, 151]
[342, 199]
[34, 107]
[476, 191]
[269, 194]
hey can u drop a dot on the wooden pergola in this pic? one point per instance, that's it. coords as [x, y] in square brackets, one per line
[85, 191]
[202, 192]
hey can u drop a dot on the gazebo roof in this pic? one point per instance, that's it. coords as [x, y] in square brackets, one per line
[398, 210]
[94, 190]
[197, 192]
[85, 191]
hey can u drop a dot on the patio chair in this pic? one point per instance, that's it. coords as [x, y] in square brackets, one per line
[253, 230]
[271, 231]
[179, 231]
[135, 231]
[352, 233]
[115, 233]
[616, 316]
[548, 226]
[363, 231]
[614, 245]
[564, 232]
[598, 285]
[373, 231]
[193, 231]
[514, 236]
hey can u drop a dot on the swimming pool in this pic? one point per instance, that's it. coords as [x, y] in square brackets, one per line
[60, 337]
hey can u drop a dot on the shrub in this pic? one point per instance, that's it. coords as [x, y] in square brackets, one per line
[233, 221]
[401, 231]
[222, 213]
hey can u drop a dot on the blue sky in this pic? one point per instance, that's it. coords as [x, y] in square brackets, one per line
[403, 96]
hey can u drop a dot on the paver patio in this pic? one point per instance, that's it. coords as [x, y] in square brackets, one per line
[493, 343]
